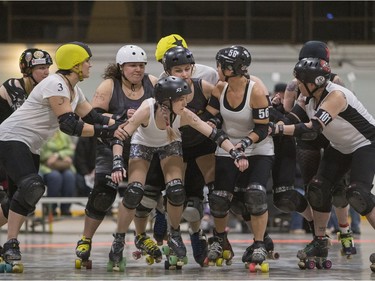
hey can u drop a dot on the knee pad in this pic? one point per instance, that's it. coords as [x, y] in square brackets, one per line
[5, 206]
[219, 201]
[194, 210]
[319, 195]
[238, 208]
[133, 195]
[30, 189]
[101, 198]
[360, 198]
[255, 199]
[287, 199]
[175, 192]
[142, 211]
[339, 196]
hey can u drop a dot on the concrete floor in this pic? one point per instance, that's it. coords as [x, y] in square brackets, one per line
[50, 256]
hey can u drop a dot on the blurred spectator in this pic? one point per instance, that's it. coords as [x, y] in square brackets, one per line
[56, 167]
[84, 162]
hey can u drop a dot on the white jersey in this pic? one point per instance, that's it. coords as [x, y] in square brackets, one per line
[239, 124]
[352, 128]
[151, 135]
[34, 122]
[203, 72]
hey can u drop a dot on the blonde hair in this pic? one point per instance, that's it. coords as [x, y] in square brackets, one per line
[29, 85]
[172, 134]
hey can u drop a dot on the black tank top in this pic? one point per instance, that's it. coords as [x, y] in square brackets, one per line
[17, 96]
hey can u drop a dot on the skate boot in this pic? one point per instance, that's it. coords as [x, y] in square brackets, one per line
[315, 254]
[83, 250]
[175, 251]
[268, 243]
[199, 245]
[116, 260]
[257, 258]
[146, 246]
[347, 243]
[12, 257]
[160, 228]
[219, 249]
[372, 260]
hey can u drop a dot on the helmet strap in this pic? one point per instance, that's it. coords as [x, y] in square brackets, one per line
[311, 93]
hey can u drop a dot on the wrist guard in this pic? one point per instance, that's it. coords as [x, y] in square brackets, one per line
[273, 127]
[118, 163]
[105, 131]
[237, 154]
[245, 143]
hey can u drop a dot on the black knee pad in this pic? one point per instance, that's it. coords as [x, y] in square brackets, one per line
[101, 197]
[193, 209]
[319, 195]
[219, 201]
[339, 196]
[175, 192]
[133, 195]
[5, 206]
[360, 198]
[287, 199]
[142, 211]
[238, 208]
[30, 189]
[255, 199]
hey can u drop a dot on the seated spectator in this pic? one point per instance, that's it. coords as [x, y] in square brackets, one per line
[84, 163]
[57, 170]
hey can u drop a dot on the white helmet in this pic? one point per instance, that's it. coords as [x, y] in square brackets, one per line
[131, 53]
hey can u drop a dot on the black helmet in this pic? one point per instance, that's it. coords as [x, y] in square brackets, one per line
[312, 70]
[177, 56]
[32, 57]
[314, 49]
[170, 88]
[236, 58]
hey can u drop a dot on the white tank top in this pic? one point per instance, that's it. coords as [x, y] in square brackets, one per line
[239, 124]
[34, 122]
[151, 135]
[352, 128]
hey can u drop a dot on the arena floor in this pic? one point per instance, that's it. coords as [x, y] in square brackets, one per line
[50, 256]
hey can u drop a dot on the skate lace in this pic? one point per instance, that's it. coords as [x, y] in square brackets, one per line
[215, 247]
[346, 240]
[118, 244]
[260, 251]
[148, 245]
[83, 244]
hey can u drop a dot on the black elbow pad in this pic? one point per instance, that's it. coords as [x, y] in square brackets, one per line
[261, 130]
[70, 124]
[93, 117]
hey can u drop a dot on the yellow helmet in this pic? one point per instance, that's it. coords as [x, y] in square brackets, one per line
[168, 42]
[70, 54]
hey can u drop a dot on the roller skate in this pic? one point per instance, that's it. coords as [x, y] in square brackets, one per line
[160, 228]
[255, 262]
[199, 245]
[219, 250]
[372, 260]
[315, 254]
[146, 247]
[175, 251]
[347, 243]
[269, 246]
[116, 261]
[83, 250]
[11, 257]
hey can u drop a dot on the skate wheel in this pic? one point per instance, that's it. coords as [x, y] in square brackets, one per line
[172, 260]
[275, 255]
[17, 268]
[109, 266]
[310, 264]
[252, 267]
[8, 268]
[150, 260]
[136, 255]
[327, 264]
[185, 260]
[264, 267]
[78, 264]
[87, 264]
[372, 258]
[219, 262]
[302, 265]
[211, 263]
[165, 250]
[227, 255]
[122, 265]
[372, 267]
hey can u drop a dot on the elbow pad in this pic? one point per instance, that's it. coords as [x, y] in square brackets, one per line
[300, 114]
[304, 133]
[205, 116]
[70, 124]
[261, 130]
[93, 117]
